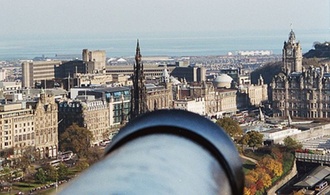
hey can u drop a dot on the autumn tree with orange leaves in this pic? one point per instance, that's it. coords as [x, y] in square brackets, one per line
[272, 166]
[257, 180]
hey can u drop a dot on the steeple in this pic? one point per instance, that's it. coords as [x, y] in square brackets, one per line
[138, 99]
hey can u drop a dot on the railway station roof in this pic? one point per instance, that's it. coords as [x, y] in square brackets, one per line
[314, 177]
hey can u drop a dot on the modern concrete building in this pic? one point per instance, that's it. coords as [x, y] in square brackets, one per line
[10, 86]
[190, 74]
[151, 71]
[98, 57]
[34, 72]
[3, 74]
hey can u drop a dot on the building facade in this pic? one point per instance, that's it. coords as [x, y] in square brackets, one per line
[17, 127]
[45, 125]
[30, 124]
[159, 96]
[98, 57]
[38, 71]
[87, 112]
[298, 91]
[197, 105]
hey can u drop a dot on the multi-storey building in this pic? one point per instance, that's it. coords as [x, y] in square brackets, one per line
[255, 94]
[45, 125]
[30, 123]
[298, 91]
[218, 101]
[98, 58]
[34, 72]
[159, 96]
[197, 105]
[100, 110]
[86, 112]
[3, 74]
[190, 73]
[16, 127]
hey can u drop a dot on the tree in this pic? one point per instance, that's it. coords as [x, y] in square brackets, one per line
[5, 174]
[27, 158]
[94, 155]
[51, 173]
[82, 165]
[62, 171]
[254, 139]
[231, 127]
[77, 139]
[272, 166]
[291, 144]
[264, 178]
[40, 176]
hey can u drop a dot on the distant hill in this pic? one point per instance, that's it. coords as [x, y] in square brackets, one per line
[268, 71]
[321, 50]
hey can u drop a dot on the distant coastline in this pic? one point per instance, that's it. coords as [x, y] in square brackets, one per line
[153, 44]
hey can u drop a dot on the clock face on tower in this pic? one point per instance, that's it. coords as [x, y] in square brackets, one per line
[289, 52]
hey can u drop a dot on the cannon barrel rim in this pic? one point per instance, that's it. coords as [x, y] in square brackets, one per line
[192, 126]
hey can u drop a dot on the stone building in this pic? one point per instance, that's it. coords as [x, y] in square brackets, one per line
[196, 105]
[17, 127]
[218, 101]
[223, 81]
[30, 123]
[45, 125]
[87, 112]
[255, 93]
[159, 96]
[100, 110]
[298, 91]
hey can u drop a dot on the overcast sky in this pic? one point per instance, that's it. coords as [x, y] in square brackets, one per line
[107, 16]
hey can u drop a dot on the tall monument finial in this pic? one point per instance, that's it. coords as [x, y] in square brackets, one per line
[138, 104]
[138, 52]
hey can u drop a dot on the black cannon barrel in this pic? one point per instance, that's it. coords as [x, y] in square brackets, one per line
[165, 152]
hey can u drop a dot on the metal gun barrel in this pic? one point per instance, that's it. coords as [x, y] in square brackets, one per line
[165, 152]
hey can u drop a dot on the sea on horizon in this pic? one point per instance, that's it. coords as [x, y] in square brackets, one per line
[153, 44]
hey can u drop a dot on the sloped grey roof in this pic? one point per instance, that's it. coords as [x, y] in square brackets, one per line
[314, 177]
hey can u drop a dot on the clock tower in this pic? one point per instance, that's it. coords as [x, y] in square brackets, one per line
[292, 55]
